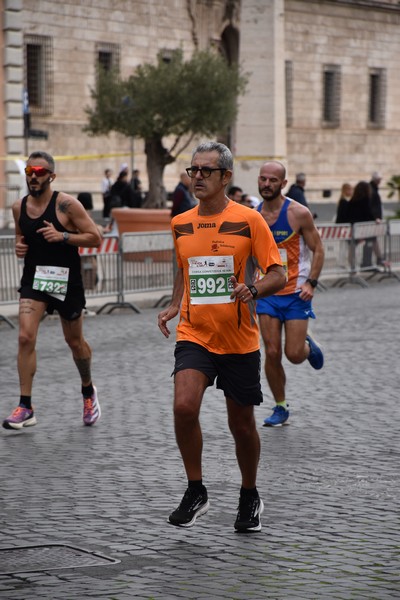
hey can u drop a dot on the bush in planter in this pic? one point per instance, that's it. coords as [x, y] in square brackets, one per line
[394, 186]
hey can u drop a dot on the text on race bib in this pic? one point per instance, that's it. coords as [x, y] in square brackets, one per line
[51, 280]
[209, 279]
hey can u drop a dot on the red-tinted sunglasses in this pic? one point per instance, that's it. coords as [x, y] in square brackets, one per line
[39, 171]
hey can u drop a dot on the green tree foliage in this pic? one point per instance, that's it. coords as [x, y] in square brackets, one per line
[167, 101]
[394, 186]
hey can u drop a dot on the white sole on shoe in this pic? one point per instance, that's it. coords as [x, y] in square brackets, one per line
[200, 512]
[257, 527]
[27, 423]
[99, 409]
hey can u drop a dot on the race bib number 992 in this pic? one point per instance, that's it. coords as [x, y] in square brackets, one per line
[209, 279]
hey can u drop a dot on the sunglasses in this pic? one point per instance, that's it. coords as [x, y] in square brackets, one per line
[205, 172]
[39, 171]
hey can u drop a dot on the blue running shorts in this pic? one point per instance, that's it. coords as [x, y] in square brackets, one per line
[289, 307]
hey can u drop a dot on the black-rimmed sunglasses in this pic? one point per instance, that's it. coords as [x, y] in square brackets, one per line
[205, 172]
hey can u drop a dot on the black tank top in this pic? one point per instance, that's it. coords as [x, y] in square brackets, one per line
[41, 252]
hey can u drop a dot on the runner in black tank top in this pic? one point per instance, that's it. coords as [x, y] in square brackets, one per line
[41, 252]
[49, 229]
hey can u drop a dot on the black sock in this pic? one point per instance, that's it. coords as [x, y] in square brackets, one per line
[25, 401]
[87, 391]
[196, 484]
[252, 492]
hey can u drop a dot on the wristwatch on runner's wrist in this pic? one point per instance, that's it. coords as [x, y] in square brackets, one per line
[65, 237]
[312, 282]
[253, 290]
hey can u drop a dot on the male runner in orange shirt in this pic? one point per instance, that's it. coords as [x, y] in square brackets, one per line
[219, 247]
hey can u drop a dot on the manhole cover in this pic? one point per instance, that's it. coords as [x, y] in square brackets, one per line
[26, 559]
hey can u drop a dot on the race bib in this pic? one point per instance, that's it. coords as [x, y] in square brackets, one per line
[51, 280]
[283, 254]
[209, 279]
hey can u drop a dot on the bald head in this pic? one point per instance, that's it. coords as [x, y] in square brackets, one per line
[271, 180]
[277, 166]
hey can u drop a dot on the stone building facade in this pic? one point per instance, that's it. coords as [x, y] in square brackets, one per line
[324, 80]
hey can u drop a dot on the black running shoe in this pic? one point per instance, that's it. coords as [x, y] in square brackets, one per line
[249, 513]
[193, 504]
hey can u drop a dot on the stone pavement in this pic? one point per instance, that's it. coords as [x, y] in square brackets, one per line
[330, 480]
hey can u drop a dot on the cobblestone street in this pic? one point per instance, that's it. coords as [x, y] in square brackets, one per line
[329, 480]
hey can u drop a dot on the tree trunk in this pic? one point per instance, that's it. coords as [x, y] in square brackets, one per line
[157, 157]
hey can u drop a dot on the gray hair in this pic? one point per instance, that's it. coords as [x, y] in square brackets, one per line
[301, 177]
[225, 159]
[49, 159]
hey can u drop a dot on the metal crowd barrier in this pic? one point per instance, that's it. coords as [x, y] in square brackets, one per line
[368, 239]
[392, 249]
[336, 239]
[10, 273]
[8, 194]
[100, 268]
[134, 263]
[145, 264]
[349, 251]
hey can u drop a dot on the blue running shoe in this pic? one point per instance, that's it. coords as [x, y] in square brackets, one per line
[315, 358]
[279, 417]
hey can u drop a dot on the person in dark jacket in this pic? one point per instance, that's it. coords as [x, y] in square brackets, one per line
[121, 192]
[359, 210]
[345, 195]
[376, 202]
[296, 190]
[182, 199]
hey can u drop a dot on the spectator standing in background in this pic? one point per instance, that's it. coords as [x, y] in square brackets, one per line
[106, 185]
[359, 210]
[136, 185]
[296, 190]
[246, 201]
[376, 202]
[342, 207]
[121, 191]
[235, 193]
[182, 199]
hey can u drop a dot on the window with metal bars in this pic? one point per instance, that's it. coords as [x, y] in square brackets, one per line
[107, 56]
[331, 95]
[39, 73]
[377, 98]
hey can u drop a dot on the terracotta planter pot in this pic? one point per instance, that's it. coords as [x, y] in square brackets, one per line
[142, 219]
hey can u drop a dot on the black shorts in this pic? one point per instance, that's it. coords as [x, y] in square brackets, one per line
[69, 309]
[238, 375]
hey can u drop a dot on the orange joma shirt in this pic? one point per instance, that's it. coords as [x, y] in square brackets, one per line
[210, 249]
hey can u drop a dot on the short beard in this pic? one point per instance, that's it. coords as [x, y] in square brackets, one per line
[276, 194]
[35, 193]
